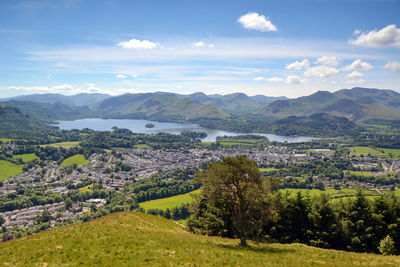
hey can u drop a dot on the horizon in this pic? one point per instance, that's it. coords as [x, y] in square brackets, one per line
[275, 48]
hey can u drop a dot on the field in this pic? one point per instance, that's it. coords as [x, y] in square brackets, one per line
[141, 146]
[8, 169]
[6, 140]
[26, 157]
[78, 159]
[334, 194]
[137, 239]
[86, 188]
[63, 144]
[169, 202]
[376, 152]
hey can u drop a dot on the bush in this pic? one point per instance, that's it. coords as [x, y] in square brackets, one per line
[386, 246]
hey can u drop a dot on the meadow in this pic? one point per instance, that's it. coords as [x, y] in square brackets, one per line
[26, 157]
[375, 152]
[8, 169]
[65, 145]
[138, 239]
[169, 202]
[77, 159]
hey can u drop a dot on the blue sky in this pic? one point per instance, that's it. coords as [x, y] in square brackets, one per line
[275, 48]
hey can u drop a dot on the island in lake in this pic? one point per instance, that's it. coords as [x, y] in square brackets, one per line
[149, 125]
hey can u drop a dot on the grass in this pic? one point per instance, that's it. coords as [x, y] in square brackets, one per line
[26, 157]
[63, 144]
[137, 239]
[169, 202]
[376, 152]
[358, 173]
[8, 169]
[267, 169]
[140, 146]
[334, 194]
[6, 140]
[77, 159]
[86, 188]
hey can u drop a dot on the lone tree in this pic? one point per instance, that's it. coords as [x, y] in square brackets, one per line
[233, 188]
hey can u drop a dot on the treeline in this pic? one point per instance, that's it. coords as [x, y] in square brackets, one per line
[178, 213]
[358, 224]
[163, 185]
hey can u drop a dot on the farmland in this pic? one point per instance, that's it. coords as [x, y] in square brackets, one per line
[26, 157]
[375, 152]
[169, 202]
[8, 169]
[65, 145]
[78, 159]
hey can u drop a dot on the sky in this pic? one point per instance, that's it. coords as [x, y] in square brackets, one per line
[276, 48]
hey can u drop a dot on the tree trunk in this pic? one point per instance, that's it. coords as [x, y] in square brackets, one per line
[243, 241]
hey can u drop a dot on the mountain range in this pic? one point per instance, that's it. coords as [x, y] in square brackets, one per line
[356, 104]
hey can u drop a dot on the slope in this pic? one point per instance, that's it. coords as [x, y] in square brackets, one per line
[156, 106]
[137, 239]
[357, 104]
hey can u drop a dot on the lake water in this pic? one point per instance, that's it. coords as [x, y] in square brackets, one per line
[138, 126]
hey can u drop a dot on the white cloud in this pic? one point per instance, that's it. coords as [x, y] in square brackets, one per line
[354, 75]
[201, 44]
[275, 79]
[387, 36]
[393, 65]
[294, 79]
[358, 65]
[328, 61]
[138, 44]
[321, 72]
[134, 76]
[298, 65]
[121, 76]
[356, 81]
[260, 78]
[356, 32]
[255, 21]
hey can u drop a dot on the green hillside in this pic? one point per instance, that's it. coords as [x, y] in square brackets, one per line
[357, 104]
[137, 239]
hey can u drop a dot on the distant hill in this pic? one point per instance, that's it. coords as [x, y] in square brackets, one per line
[78, 100]
[156, 106]
[15, 124]
[49, 112]
[357, 104]
[137, 239]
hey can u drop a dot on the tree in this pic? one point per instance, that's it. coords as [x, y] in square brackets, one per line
[386, 246]
[2, 220]
[237, 182]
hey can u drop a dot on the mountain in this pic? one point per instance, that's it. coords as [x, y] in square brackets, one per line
[156, 106]
[49, 112]
[357, 104]
[15, 124]
[138, 239]
[237, 103]
[78, 100]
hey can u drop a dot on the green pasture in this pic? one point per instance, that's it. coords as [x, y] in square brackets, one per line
[77, 159]
[8, 169]
[26, 157]
[169, 202]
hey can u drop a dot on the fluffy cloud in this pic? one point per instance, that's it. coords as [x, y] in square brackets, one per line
[328, 61]
[358, 65]
[393, 65]
[388, 36]
[138, 44]
[260, 78]
[356, 81]
[294, 79]
[298, 65]
[201, 44]
[275, 79]
[354, 75]
[255, 21]
[321, 72]
[121, 76]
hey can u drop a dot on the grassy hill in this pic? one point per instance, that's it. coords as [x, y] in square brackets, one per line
[8, 169]
[357, 104]
[137, 239]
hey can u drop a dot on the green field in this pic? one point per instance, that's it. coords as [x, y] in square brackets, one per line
[8, 169]
[63, 144]
[334, 194]
[137, 239]
[6, 140]
[358, 173]
[141, 146]
[78, 159]
[375, 152]
[169, 202]
[86, 188]
[26, 157]
[267, 169]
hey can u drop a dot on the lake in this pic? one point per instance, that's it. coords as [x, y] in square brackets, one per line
[138, 126]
